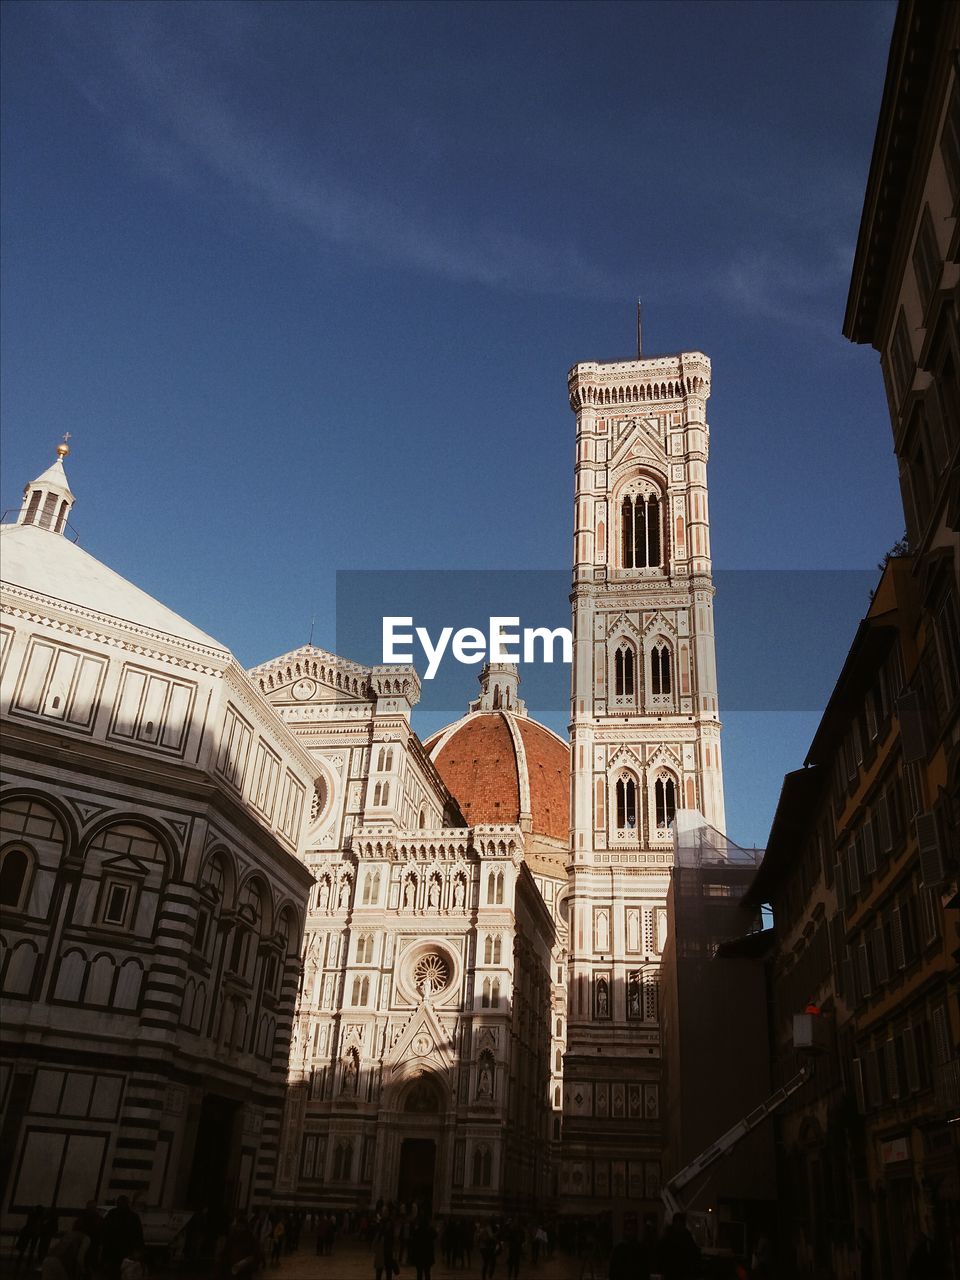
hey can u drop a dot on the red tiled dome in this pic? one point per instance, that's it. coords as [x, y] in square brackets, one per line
[505, 768]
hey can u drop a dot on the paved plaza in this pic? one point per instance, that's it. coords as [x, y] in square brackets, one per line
[352, 1261]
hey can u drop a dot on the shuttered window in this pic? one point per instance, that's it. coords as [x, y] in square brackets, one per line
[950, 141]
[932, 866]
[869, 847]
[926, 259]
[913, 740]
[901, 357]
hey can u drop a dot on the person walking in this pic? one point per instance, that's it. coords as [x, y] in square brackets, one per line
[65, 1260]
[629, 1259]
[421, 1247]
[515, 1243]
[678, 1256]
[276, 1241]
[121, 1236]
[241, 1251]
[29, 1235]
[385, 1265]
[489, 1244]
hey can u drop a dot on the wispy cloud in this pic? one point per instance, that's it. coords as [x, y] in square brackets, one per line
[783, 285]
[186, 116]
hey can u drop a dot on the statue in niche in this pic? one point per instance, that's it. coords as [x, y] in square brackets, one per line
[407, 887]
[345, 893]
[351, 1073]
[433, 898]
[323, 900]
[634, 997]
[458, 893]
[603, 999]
[485, 1081]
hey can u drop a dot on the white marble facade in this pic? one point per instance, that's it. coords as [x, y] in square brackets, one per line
[151, 894]
[645, 743]
[420, 1062]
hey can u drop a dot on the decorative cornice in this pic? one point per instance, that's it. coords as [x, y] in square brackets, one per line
[114, 632]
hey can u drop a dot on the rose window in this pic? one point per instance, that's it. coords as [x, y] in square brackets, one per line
[431, 973]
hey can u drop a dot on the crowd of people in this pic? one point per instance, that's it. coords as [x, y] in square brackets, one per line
[108, 1245]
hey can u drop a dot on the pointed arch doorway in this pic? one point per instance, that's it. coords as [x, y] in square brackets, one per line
[422, 1112]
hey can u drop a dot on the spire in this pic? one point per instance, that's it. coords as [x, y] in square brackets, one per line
[47, 500]
[499, 682]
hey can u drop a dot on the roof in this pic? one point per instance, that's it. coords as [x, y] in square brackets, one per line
[50, 565]
[506, 768]
[921, 33]
[54, 476]
[796, 808]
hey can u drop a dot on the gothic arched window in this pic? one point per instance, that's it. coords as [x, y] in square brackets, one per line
[660, 681]
[626, 804]
[482, 1166]
[665, 796]
[624, 672]
[640, 531]
[495, 888]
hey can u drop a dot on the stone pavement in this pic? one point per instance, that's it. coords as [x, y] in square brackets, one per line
[352, 1261]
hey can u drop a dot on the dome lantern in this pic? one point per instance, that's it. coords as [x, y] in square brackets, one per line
[47, 501]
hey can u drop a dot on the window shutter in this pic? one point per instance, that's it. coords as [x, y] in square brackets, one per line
[932, 869]
[866, 986]
[882, 824]
[849, 977]
[881, 968]
[869, 846]
[913, 739]
[890, 1071]
[910, 1055]
[841, 886]
[858, 1085]
[871, 709]
[836, 942]
[874, 1093]
[908, 928]
[941, 1035]
[899, 958]
[853, 868]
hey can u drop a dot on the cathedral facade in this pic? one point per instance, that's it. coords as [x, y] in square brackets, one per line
[429, 1020]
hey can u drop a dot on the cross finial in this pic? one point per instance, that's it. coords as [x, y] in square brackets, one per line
[63, 448]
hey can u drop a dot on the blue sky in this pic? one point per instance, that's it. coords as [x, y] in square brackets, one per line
[304, 283]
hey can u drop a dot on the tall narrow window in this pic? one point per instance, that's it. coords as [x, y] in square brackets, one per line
[626, 804]
[666, 802]
[627, 527]
[660, 669]
[623, 672]
[640, 531]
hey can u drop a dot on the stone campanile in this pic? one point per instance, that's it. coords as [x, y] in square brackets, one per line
[645, 743]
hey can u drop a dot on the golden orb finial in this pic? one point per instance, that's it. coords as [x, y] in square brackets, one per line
[63, 448]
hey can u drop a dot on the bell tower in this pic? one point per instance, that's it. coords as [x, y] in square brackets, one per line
[645, 743]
